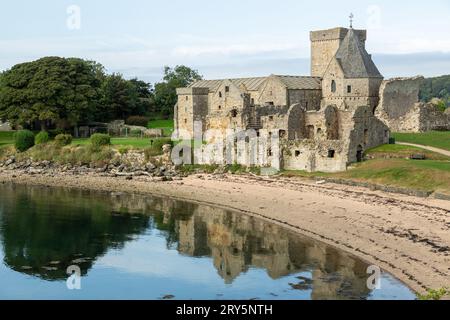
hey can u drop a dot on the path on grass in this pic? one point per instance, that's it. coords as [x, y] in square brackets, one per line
[429, 148]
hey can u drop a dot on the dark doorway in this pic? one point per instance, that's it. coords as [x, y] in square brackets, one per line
[359, 154]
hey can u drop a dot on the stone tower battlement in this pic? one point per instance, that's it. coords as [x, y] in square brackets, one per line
[325, 44]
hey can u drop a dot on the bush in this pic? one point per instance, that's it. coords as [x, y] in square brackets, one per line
[158, 143]
[151, 152]
[63, 139]
[41, 138]
[23, 140]
[53, 133]
[100, 139]
[139, 121]
[156, 148]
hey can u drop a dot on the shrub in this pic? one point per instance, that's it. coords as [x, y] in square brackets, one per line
[156, 148]
[140, 121]
[100, 139]
[158, 143]
[63, 139]
[41, 138]
[434, 294]
[151, 152]
[23, 140]
[53, 133]
[123, 149]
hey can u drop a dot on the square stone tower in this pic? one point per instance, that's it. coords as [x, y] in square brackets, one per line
[325, 44]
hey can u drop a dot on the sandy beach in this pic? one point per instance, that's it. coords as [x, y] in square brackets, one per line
[406, 236]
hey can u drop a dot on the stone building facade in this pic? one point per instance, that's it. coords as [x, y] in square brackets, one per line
[324, 121]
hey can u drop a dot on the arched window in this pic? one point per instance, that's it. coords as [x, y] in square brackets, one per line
[333, 86]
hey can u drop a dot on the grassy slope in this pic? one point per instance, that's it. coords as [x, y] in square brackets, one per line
[426, 175]
[6, 138]
[402, 152]
[166, 125]
[438, 139]
[131, 142]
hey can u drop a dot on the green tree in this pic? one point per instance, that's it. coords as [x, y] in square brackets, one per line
[165, 96]
[50, 90]
[122, 98]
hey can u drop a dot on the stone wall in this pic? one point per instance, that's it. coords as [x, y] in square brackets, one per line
[431, 118]
[311, 155]
[400, 110]
[4, 126]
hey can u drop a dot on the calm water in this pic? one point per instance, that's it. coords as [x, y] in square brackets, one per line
[133, 247]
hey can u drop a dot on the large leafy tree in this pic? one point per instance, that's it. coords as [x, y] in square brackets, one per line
[165, 96]
[50, 90]
[123, 98]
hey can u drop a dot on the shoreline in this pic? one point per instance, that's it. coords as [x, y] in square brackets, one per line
[406, 236]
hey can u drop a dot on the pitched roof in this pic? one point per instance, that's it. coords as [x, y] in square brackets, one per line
[300, 83]
[254, 84]
[354, 59]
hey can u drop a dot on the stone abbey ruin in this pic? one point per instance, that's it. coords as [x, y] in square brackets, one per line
[325, 121]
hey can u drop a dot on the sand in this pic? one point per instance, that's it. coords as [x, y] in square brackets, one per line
[406, 236]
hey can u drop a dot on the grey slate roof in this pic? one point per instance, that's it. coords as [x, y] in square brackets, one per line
[254, 84]
[354, 59]
[301, 83]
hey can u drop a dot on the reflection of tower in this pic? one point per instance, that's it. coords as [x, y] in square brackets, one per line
[337, 276]
[193, 237]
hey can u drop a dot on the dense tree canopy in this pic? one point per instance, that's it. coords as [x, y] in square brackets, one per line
[438, 87]
[51, 89]
[64, 92]
[123, 98]
[165, 92]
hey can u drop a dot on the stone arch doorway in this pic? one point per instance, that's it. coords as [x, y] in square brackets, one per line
[296, 122]
[359, 153]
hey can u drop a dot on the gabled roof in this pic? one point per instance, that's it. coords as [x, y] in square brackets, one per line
[300, 83]
[254, 84]
[354, 59]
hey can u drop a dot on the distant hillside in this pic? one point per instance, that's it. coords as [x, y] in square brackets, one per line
[438, 87]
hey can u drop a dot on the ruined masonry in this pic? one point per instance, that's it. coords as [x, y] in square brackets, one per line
[325, 121]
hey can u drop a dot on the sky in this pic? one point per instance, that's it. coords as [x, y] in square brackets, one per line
[222, 39]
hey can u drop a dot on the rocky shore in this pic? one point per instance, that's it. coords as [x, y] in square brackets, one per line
[114, 169]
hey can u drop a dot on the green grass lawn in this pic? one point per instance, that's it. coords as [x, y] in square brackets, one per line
[6, 138]
[166, 125]
[400, 151]
[138, 143]
[438, 139]
[426, 175]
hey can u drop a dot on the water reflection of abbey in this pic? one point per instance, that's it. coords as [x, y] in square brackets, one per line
[235, 242]
[238, 242]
